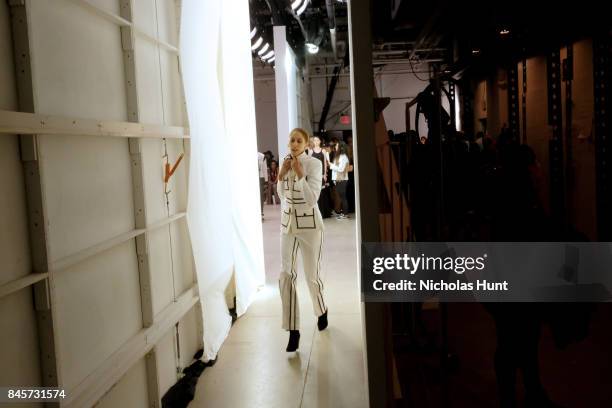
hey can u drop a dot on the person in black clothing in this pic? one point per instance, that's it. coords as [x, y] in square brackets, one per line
[324, 198]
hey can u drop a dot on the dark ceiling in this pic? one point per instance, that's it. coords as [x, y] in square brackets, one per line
[471, 31]
[457, 34]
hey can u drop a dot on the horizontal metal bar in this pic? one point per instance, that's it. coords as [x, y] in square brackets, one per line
[71, 260]
[100, 381]
[21, 283]
[23, 123]
[379, 73]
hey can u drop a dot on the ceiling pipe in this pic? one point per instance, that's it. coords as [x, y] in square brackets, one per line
[425, 32]
[331, 17]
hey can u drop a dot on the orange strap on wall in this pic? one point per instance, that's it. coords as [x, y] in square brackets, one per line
[170, 171]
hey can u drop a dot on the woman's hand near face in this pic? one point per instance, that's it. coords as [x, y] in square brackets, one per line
[297, 167]
[285, 168]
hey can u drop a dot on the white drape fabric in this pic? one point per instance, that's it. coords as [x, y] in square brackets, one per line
[286, 89]
[223, 208]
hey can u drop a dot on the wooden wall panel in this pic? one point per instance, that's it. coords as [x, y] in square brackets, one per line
[172, 95]
[111, 6]
[18, 331]
[98, 306]
[77, 62]
[178, 183]
[18, 337]
[148, 82]
[130, 391]
[82, 69]
[153, 166]
[144, 16]
[161, 269]
[167, 19]
[188, 337]
[166, 361]
[184, 271]
[87, 184]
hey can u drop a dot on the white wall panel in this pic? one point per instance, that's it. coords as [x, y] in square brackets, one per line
[167, 17]
[131, 391]
[166, 361]
[171, 85]
[144, 16]
[77, 62]
[178, 182]
[88, 187]
[8, 88]
[148, 82]
[182, 257]
[18, 332]
[153, 165]
[98, 307]
[160, 263]
[19, 340]
[14, 247]
[188, 337]
[111, 6]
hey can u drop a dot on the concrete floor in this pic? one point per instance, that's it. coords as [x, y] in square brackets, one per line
[254, 370]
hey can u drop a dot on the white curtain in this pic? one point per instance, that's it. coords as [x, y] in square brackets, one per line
[223, 207]
[286, 89]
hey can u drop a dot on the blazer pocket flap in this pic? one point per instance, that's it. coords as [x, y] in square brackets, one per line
[285, 218]
[305, 219]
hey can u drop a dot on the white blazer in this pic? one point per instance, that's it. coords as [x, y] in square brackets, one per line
[340, 170]
[300, 211]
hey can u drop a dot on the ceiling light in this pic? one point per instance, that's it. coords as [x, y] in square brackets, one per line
[475, 51]
[263, 49]
[303, 8]
[504, 31]
[257, 44]
[296, 4]
[253, 32]
[312, 48]
[268, 55]
[271, 60]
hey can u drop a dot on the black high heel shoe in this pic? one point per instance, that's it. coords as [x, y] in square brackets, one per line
[322, 321]
[294, 340]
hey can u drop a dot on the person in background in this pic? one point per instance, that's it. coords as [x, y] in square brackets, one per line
[299, 186]
[263, 176]
[324, 199]
[350, 185]
[340, 165]
[272, 179]
[317, 152]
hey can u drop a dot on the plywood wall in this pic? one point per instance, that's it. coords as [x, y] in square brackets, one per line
[87, 184]
[18, 333]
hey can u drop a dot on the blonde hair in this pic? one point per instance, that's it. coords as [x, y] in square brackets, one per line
[302, 132]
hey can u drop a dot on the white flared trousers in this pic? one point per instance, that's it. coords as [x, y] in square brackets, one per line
[309, 244]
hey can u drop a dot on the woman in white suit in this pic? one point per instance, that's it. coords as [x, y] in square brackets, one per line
[299, 186]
